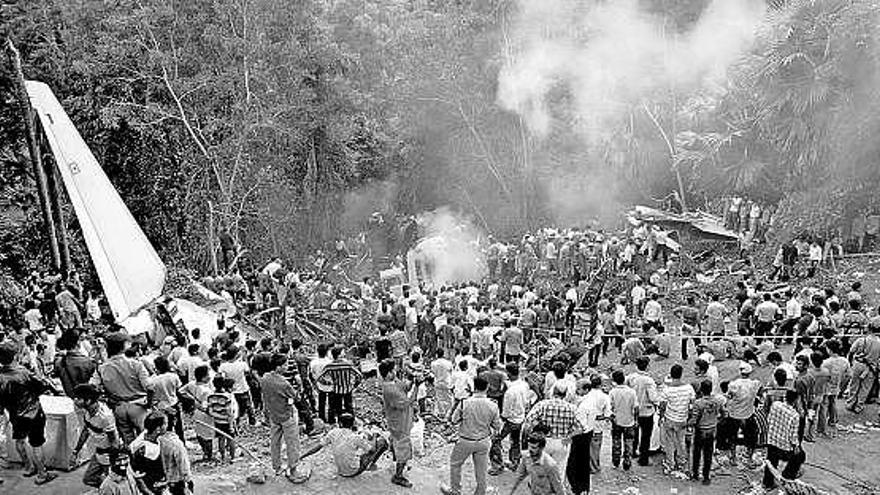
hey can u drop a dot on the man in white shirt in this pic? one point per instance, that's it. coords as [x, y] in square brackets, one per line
[653, 314]
[815, 257]
[236, 369]
[638, 294]
[513, 341]
[571, 295]
[765, 314]
[441, 369]
[793, 313]
[675, 403]
[186, 365]
[593, 414]
[518, 398]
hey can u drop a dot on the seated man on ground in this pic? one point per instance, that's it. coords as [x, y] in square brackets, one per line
[353, 452]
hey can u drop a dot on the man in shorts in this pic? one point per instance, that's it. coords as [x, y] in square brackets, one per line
[398, 397]
[20, 395]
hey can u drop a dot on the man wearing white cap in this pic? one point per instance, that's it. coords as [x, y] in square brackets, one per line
[741, 409]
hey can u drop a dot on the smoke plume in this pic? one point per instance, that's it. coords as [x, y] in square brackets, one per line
[609, 55]
[449, 250]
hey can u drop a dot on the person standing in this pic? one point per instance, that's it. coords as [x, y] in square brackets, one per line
[125, 382]
[706, 411]
[398, 397]
[344, 377]
[783, 440]
[624, 409]
[805, 386]
[478, 421]
[821, 375]
[647, 399]
[513, 341]
[741, 410]
[163, 387]
[316, 369]
[20, 396]
[175, 458]
[100, 428]
[517, 400]
[593, 412]
[838, 368]
[690, 324]
[72, 366]
[279, 399]
[715, 313]
[69, 316]
[675, 402]
[653, 314]
[441, 369]
[237, 369]
[865, 357]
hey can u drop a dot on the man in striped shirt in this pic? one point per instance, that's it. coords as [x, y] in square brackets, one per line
[344, 378]
[783, 440]
[675, 403]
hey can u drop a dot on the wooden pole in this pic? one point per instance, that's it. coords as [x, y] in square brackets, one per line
[235, 442]
[34, 151]
[53, 178]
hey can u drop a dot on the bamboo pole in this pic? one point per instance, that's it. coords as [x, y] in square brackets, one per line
[34, 151]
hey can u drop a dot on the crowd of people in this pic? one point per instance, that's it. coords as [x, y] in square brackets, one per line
[507, 362]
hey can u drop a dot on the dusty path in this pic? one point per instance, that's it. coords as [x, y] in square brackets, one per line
[853, 454]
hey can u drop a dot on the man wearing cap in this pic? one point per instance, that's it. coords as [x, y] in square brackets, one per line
[741, 409]
[865, 357]
[124, 383]
[99, 426]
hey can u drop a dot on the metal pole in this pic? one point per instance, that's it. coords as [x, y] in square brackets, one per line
[34, 151]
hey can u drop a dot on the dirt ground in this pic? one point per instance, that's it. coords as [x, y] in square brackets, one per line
[843, 465]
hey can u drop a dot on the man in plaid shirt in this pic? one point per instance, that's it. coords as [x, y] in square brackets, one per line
[557, 417]
[783, 441]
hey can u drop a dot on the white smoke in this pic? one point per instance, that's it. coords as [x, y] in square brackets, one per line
[449, 251]
[609, 55]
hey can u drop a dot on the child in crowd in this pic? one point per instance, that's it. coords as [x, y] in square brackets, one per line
[198, 392]
[223, 409]
[705, 415]
[416, 370]
[462, 385]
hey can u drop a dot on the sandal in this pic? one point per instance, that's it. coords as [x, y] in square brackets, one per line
[401, 481]
[42, 480]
